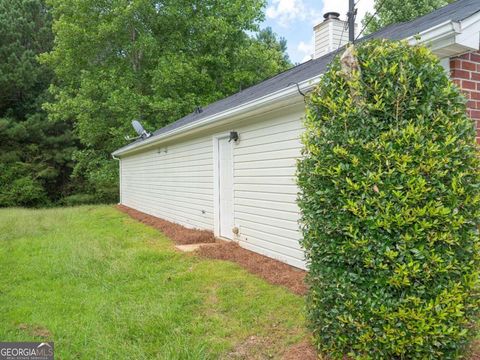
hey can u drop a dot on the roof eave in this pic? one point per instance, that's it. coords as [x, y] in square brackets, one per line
[447, 39]
[289, 95]
[451, 38]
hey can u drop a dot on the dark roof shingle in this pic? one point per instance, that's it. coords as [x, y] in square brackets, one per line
[456, 11]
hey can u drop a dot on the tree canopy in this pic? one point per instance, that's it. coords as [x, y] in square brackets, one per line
[395, 11]
[149, 60]
[35, 154]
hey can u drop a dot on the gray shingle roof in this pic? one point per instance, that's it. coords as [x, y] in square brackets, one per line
[296, 74]
[456, 11]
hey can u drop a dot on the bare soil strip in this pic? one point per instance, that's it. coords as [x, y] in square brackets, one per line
[273, 271]
[178, 233]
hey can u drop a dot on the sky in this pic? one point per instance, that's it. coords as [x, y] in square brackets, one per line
[294, 20]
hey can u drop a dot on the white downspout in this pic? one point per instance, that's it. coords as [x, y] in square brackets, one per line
[119, 177]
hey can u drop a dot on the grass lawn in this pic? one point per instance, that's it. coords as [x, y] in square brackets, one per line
[103, 286]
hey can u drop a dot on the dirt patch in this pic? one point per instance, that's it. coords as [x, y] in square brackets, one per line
[35, 330]
[253, 348]
[178, 233]
[301, 351]
[259, 348]
[273, 271]
[475, 350]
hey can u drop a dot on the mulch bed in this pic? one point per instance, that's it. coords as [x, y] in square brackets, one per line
[475, 350]
[301, 351]
[273, 271]
[178, 233]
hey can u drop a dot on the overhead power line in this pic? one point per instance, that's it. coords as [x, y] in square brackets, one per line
[352, 12]
[345, 26]
[371, 17]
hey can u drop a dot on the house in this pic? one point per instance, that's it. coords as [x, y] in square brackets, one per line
[196, 172]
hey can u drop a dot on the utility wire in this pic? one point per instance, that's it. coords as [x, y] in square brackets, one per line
[371, 17]
[346, 26]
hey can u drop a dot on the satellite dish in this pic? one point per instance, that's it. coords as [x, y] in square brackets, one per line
[142, 133]
[138, 127]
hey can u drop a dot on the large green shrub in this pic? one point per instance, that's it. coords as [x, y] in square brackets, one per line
[390, 194]
[19, 188]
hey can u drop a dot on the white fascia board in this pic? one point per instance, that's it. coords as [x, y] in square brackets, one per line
[470, 21]
[469, 34]
[456, 37]
[264, 104]
[437, 37]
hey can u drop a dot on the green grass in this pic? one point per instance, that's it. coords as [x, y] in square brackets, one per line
[108, 287]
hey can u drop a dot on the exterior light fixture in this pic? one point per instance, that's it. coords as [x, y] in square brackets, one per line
[233, 136]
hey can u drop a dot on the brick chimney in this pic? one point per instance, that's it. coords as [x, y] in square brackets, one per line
[330, 34]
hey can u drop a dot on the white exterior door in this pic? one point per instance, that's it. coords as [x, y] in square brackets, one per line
[225, 188]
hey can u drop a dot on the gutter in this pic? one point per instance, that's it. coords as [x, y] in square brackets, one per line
[438, 37]
[283, 94]
[435, 33]
[452, 37]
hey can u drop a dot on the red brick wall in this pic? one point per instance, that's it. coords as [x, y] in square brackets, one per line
[465, 72]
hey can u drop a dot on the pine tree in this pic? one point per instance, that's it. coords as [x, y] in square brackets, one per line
[35, 154]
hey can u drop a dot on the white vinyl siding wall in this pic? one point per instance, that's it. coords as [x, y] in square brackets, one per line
[179, 184]
[176, 185]
[265, 188]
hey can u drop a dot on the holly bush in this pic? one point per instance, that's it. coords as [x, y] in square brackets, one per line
[390, 199]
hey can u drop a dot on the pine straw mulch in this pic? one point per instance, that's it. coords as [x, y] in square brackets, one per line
[475, 350]
[178, 233]
[273, 271]
[301, 351]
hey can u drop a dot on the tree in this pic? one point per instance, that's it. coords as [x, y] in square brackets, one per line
[149, 60]
[390, 201]
[269, 39]
[396, 11]
[35, 154]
